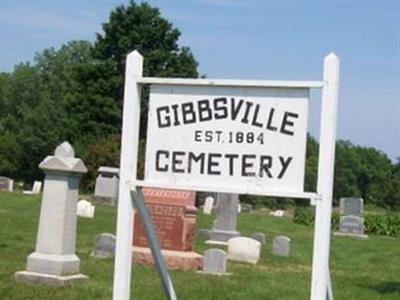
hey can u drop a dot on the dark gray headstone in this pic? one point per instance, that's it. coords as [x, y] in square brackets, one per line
[352, 225]
[6, 184]
[214, 261]
[281, 246]
[224, 227]
[104, 245]
[351, 207]
[259, 236]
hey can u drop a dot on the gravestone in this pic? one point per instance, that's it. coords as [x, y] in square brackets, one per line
[351, 207]
[85, 209]
[6, 184]
[208, 205]
[224, 227]
[351, 217]
[106, 189]
[54, 261]
[351, 225]
[244, 249]
[104, 246]
[277, 213]
[281, 246]
[214, 262]
[259, 236]
[173, 215]
[36, 188]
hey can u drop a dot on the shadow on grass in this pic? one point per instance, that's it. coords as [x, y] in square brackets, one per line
[386, 287]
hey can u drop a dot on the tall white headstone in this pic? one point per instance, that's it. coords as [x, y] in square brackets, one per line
[208, 205]
[54, 261]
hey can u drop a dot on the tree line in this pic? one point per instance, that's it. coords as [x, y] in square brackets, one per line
[75, 93]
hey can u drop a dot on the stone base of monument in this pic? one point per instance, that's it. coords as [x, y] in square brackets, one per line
[176, 260]
[104, 200]
[221, 237]
[353, 235]
[50, 280]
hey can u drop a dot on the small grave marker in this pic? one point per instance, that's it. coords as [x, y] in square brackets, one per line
[85, 209]
[36, 188]
[6, 184]
[104, 245]
[244, 249]
[208, 205]
[281, 246]
[214, 261]
[106, 188]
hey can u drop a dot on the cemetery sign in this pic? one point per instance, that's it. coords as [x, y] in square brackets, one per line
[254, 138]
[229, 136]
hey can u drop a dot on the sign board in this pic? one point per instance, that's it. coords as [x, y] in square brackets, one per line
[221, 137]
[224, 134]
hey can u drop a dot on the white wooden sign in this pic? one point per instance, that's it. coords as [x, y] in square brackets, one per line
[235, 136]
[219, 137]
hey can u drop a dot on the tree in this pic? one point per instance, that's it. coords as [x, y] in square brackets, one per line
[392, 199]
[347, 170]
[141, 27]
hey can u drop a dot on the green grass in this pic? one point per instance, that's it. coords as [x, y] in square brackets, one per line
[361, 269]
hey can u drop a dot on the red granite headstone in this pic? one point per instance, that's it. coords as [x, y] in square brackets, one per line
[173, 214]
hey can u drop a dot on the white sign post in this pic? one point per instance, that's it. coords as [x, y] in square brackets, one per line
[231, 136]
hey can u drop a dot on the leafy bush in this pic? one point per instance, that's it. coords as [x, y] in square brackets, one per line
[103, 153]
[305, 215]
[381, 224]
[270, 202]
[388, 224]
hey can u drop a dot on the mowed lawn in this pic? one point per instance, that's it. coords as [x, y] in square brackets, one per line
[361, 269]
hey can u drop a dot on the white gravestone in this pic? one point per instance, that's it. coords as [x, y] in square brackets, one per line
[37, 187]
[54, 261]
[244, 249]
[214, 262]
[107, 184]
[277, 213]
[281, 246]
[6, 184]
[208, 205]
[85, 209]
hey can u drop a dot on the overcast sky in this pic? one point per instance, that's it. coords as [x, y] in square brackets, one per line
[253, 39]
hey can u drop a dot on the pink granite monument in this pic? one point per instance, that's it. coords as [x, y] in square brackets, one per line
[173, 214]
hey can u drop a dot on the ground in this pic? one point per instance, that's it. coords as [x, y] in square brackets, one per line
[361, 269]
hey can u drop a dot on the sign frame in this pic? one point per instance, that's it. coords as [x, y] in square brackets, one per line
[321, 287]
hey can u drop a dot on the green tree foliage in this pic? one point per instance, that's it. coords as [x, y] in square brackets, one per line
[141, 27]
[75, 93]
[36, 101]
[392, 198]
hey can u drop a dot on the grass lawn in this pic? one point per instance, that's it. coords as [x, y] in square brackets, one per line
[361, 269]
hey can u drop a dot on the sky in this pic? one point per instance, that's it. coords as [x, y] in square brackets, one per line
[272, 40]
